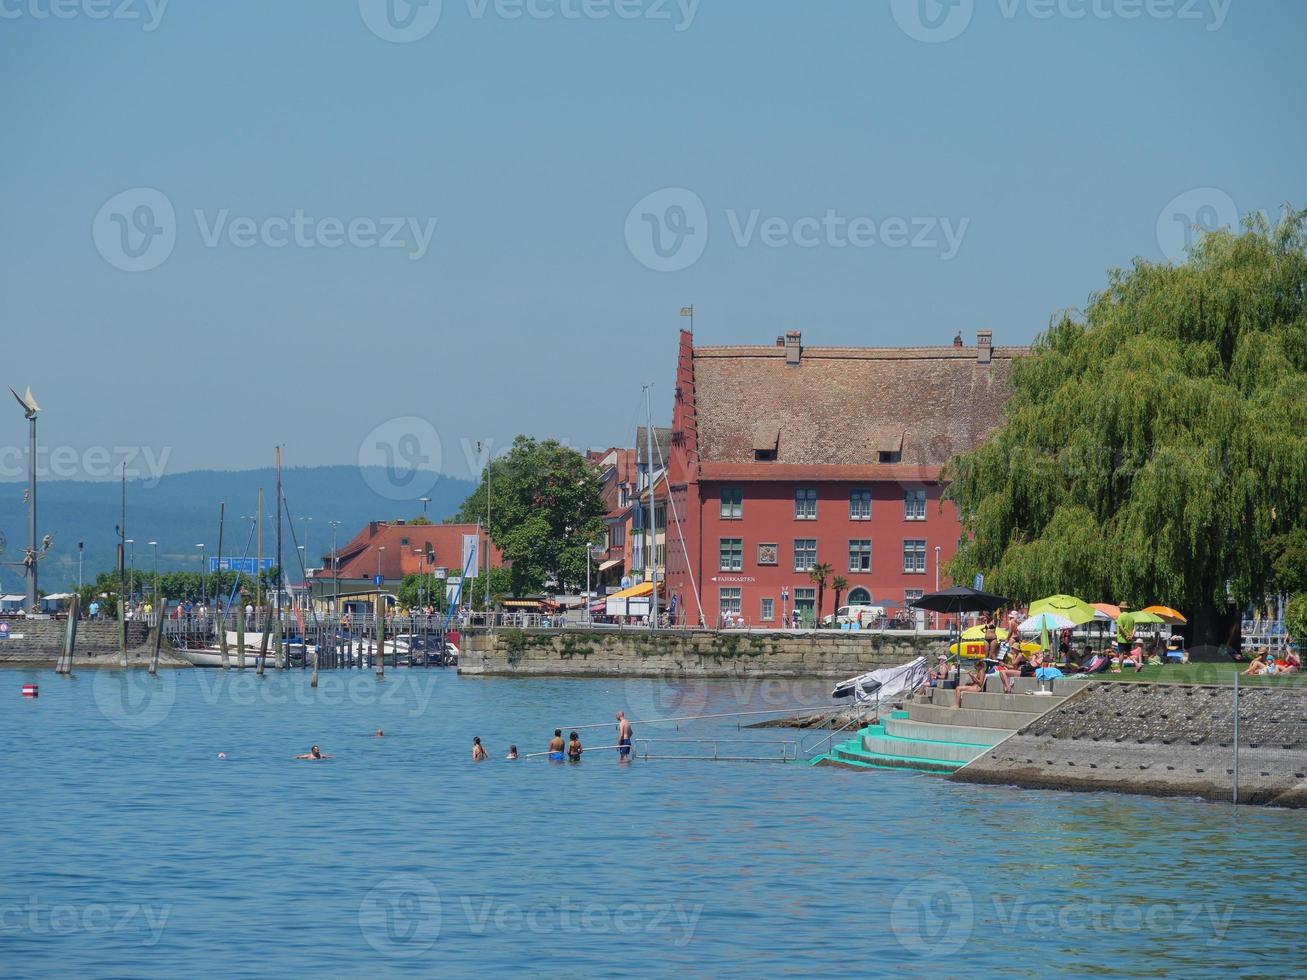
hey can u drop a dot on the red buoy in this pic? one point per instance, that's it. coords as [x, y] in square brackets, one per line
[31, 691]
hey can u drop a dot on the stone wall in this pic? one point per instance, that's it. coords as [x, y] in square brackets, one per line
[40, 641]
[640, 653]
[1161, 740]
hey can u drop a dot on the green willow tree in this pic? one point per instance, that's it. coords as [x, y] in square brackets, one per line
[1156, 446]
[545, 508]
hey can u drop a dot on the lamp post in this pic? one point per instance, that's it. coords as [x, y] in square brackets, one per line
[935, 616]
[307, 552]
[201, 547]
[81, 546]
[155, 546]
[30, 408]
[424, 501]
[487, 566]
[380, 549]
[131, 564]
[335, 572]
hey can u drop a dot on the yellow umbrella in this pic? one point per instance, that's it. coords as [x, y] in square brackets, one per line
[978, 633]
[1076, 610]
[1167, 614]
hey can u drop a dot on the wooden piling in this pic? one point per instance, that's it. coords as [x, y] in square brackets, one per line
[158, 636]
[263, 641]
[240, 638]
[379, 621]
[65, 665]
[122, 630]
[278, 645]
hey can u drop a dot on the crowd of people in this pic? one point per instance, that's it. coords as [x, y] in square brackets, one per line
[569, 750]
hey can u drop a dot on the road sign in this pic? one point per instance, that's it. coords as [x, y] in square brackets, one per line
[4, 631]
[979, 582]
[378, 580]
[247, 566]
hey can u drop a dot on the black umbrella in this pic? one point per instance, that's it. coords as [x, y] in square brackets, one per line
[960, 599]
[957, 600]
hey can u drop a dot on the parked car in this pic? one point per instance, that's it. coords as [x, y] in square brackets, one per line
[864, 616]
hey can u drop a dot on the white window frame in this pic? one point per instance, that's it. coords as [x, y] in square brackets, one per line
[805, 504]
[862, 497]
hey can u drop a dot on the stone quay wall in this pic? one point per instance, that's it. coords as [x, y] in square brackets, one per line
[681, 653]
[37, 642]
[1161, 740]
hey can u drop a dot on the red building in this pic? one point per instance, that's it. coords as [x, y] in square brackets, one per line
[786, 456]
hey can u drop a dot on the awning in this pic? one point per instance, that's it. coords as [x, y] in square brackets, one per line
[634, 592]
[610, 563]
[522, 603]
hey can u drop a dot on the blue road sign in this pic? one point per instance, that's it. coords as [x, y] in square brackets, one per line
[378, 580]
[249, 566]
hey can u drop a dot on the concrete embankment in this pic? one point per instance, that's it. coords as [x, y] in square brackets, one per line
[683, 653]
[38, 643]
[1160, 740]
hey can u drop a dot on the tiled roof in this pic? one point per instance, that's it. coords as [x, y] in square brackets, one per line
[662, 444]
[843, 406]
[440, 545]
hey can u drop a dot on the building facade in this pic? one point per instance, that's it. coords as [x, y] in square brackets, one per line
[786, 457]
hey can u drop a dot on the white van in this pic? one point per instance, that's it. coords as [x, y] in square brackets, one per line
[864, 616]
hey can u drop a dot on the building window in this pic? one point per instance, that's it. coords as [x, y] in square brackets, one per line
[805, 553]
[859, 597]
[912, 595]
[660, 555]
[768, 609]
[729, 602]
[403, 542]
[731, 554]
[890, 456]
[623, 495]
[860, 555]
[764, 455]
[769, 554]
[859, 505]
[732, 503]
[805, 504]
[660, 517]
[617, 535]
[914, 505]
[914, 555]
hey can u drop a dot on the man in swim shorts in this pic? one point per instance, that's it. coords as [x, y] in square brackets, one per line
[314, 754]
[556, 746]
[624, 733]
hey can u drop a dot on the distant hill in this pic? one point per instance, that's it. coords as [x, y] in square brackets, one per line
[181, 510]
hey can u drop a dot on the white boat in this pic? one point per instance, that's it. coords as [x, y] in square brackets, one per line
[212, 656]
[884, 684]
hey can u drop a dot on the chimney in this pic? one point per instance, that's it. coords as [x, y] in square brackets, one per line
[793, 347]
[984, 346]
[957, 341]
[780, 341]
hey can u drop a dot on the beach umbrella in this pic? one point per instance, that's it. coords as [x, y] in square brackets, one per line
[977, 632]
[1045, 621]
[1066, 606]
[1145, 616]
[1166, 613]
[1106, 610]
[960, 599]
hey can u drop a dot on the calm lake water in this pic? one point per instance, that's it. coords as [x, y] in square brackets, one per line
[131, 849]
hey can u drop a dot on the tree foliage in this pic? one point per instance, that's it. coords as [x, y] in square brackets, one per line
[545, 508]
[1154, 445]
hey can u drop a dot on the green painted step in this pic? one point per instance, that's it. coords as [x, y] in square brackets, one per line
[906, 728]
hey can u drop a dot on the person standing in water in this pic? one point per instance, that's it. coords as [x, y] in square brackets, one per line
[624, 734]
[512, 752]
[314, 754]
[479, 753]
[574, 749]
[556, 746]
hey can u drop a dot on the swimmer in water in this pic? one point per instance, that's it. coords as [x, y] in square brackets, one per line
[314, 754]
[574, 749]
[378, 734]
[512, 752]
[479, 753]
[556, 746]
[624, 733]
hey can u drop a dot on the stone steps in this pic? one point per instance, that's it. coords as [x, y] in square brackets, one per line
[1032, 703]
[906, 728]
[892, 746]
[976, 717]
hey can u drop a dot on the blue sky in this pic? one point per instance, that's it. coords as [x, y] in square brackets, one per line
[851, 169]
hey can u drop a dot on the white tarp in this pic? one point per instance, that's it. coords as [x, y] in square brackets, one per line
[884, 684]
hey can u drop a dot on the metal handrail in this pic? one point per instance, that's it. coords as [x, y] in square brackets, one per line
[808, 753]
[681, 718]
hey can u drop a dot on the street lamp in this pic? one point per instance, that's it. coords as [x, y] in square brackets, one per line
[307, 553]
[935, 616]
[155, 546]
[379, 578]
[425, 501]
[80, 548]
[335, 571]
[131, 564]
[591, 552]
[30, 408]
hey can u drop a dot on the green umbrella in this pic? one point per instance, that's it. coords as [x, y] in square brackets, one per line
[1076, 610]
[1146, 617]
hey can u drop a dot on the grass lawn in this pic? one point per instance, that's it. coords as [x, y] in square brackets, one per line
[1202, 673]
